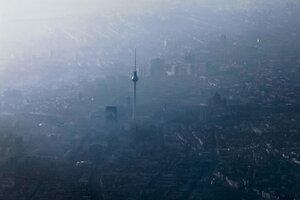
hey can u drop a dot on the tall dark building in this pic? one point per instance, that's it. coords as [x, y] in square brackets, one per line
[157, 67]
[111, 116]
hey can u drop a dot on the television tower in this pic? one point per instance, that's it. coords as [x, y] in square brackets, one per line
[135, 79]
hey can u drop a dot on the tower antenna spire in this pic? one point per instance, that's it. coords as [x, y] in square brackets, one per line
[135, 59]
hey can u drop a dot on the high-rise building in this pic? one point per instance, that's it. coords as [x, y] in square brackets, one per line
[157, 68]
[111, 116]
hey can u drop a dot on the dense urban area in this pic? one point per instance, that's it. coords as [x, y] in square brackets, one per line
[217, 112]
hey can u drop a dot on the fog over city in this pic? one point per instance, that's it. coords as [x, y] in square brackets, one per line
[149, 99]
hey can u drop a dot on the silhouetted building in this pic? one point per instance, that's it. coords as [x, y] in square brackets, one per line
[111, 116]
[217, 100]
[204, 113]
[157, 67]
[190, 60]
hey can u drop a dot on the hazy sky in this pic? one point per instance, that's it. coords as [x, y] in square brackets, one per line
[28, 9]
[32, 9]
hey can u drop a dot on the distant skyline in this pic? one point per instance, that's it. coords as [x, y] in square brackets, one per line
[30, 27]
